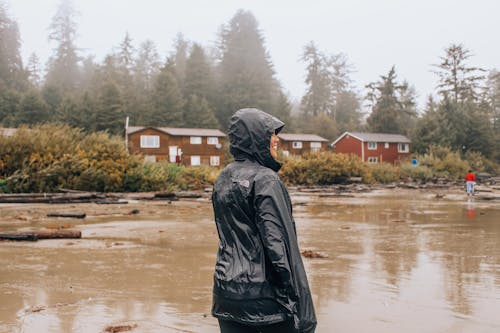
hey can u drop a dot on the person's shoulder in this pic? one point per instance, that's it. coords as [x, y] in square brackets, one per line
[266, 174]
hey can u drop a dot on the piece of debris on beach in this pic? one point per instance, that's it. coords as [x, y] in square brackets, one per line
[120, 328]
[313, 254]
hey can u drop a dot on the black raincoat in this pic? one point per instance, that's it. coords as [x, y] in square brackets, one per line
[259, 275]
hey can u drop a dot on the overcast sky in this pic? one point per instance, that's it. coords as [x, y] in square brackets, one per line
[373, 34]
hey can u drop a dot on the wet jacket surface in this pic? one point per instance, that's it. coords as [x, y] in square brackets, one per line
[259, 275]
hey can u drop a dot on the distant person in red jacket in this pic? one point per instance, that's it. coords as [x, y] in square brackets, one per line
[470, 181]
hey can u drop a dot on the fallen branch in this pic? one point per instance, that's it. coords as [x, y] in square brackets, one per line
[36, 235]
[70, 215]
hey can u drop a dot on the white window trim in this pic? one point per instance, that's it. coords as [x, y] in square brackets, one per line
[386, 145]
[297, 144]
[407, 150]
[150, 141]
[372, 159]
[212, 140]
[214, 160]
[195, 157]
[315, 144]
[195, 140]
[371, 143]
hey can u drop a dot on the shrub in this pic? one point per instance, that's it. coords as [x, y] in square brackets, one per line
[384, 172]
[323, 169]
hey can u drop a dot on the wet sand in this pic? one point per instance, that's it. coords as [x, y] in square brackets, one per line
[398, 261]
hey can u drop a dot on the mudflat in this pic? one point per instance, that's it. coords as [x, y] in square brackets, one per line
[392, 260]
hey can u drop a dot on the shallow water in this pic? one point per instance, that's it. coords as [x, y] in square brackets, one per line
[398, 261]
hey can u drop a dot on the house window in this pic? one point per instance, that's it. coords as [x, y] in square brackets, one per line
[372, 145]
[212, 140]
[195, 160]
[297, 144]
[315, 146]
[403, 147]
[150, 141]
[215, 160]
[286, 153]
[372, 160]
[195, 140]
[386, 145]
[150, 158]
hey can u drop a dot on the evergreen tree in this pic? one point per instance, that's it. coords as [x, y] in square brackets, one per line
[458, 81]
[147, 66]
[63, 70]
[167, 101]
[11, 66]
[32, 109]
[329, 89]
[199, 114]
[393, 105]
[245, 72]
[199, 79]
[34, 70]
[428, 130]
[319, 95]
[180, 58]
[109, 112]
[9, 105]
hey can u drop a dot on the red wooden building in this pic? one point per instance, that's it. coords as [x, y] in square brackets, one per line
[189, 146]
[374, 147]
[299, 144]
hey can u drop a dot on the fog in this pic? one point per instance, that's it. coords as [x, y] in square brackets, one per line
[374, 35]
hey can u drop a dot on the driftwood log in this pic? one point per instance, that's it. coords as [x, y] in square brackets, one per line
[69, 215]
[48, 197]
[36, 235]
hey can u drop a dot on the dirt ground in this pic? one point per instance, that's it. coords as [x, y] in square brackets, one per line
[412, 260]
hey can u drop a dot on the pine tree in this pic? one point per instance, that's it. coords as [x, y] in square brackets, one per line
[34, 70]
[11, 65]
[63, 69]
[199, 114]
[458, 81]
[319, 96]
[109, 112]
[32, 109]
[167, 101]
[245, 72]
[393, 105]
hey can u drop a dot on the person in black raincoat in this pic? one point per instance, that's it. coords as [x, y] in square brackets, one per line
[260, 284]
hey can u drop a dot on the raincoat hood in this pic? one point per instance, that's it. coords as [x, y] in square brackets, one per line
[250, 133]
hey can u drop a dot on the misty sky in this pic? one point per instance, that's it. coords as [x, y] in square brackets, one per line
[374, 34]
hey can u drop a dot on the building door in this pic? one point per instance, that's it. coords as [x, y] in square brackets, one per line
[172, 152]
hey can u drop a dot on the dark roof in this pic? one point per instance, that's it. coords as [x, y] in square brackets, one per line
[301, 137]
[375, 137]
[180, 131]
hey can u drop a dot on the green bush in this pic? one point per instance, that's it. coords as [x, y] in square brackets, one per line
[384, 172]
[421, 173]
[323, 169]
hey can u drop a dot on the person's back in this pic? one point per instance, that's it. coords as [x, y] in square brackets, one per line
[259, 283]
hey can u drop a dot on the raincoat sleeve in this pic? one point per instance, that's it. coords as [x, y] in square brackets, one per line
[274, 222]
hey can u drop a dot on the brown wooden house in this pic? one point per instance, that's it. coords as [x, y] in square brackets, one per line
[187, 146]
[374, 147]
[299, 144]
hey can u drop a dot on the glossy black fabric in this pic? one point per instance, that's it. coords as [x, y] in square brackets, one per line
[259, 275]
[227, 326]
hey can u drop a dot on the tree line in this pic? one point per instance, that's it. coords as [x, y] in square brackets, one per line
[201, 86]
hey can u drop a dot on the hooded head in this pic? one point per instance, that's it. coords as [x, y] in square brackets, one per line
[250, 133]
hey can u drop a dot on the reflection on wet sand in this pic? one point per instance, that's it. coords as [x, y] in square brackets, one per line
[397, 261]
